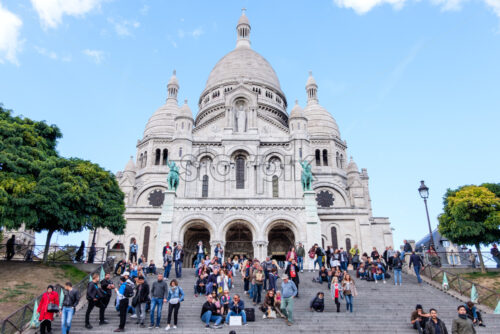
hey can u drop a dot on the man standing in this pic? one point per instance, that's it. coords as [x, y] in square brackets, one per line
[397, 265]
[134, 248]
[107, 287]
[355, 256]
[93, 300]
[123, 294]
[71, 299]
[344, 261]
[141, 299]
[11, 244]
[237, 308]
[200, 253]
[319, 257]
[166, 248]
[292, 270]
[495, 253]
[178, 259]
[435, 325]
[288, 292]
[417, 265]
[462, 325]
[301, 253]
[159, 293]
[268, 268]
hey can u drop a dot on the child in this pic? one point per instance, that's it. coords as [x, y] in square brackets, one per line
[277, 303]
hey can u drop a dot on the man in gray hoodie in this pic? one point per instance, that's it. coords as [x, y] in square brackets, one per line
[159, 293]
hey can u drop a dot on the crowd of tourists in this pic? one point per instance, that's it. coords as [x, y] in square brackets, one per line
[215, 277]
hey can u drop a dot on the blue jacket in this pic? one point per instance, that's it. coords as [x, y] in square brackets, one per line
[178, 293]
[237, 308]
[288, 289]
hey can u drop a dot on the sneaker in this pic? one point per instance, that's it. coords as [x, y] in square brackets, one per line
[157, 327]
[133, 316]
[151, 326]
[167, 328]
[376, 282]
[288, 323]
[207, 326]
[88, 326]
[175, 327]
[118, 330]
[245, 324]
[219, 326]
[142, 326]
[384, 282]
[104, 322]
[264, 316]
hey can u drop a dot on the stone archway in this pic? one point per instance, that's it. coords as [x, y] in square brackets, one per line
[280, 238]
[239, 241]
[198, 231]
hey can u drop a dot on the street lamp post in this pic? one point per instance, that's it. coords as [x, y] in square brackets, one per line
[423, 190]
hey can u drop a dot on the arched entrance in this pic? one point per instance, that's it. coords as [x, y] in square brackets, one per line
[196, 232]
[239, 241]
[280, 238]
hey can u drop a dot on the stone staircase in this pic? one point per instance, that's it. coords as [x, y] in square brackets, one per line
[378, 308]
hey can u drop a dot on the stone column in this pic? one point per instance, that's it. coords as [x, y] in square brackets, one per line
[260, 249]
[313, 228]
[164, 225]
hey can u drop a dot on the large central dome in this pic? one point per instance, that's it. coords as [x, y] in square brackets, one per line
[240, 64]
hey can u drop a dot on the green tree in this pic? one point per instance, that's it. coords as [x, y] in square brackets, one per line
[24, 146]
[471, 217]
[50, 193]
[72, 195]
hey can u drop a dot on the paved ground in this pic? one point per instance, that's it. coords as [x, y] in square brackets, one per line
[379, 308]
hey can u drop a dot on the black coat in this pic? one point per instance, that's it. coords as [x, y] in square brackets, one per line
[295, 279]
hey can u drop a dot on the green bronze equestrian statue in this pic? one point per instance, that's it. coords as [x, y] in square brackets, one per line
[306, 177]
[173, 176]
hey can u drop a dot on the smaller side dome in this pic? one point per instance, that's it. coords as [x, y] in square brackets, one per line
[297, 111]
[352, 167]
[130, 167]
[185, 111]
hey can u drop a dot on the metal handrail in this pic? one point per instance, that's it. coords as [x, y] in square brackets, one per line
[55, 253]
[19, 320]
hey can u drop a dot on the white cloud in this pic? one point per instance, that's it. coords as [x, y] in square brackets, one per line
[495, 6]
[10, 43]
[51, 54]
[449, 4]
[96, 55]
[52, 11]
[122, 28]
[195, 33]
[364, 6]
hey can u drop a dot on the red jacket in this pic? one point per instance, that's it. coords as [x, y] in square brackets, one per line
[290, 254]
[47, 298]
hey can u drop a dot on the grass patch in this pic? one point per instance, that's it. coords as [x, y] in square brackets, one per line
[73, 274]
[8, 294]
[478, 275]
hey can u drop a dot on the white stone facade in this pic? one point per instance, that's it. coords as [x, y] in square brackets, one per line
[240, 174]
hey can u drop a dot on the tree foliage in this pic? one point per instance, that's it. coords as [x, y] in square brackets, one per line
[48, 192]
[471, 216]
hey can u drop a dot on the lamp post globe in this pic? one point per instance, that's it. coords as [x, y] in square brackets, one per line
[423, 190]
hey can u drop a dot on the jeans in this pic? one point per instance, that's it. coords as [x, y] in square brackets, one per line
[397, 274]
[66, 317]
[348, 301]
[417, 272]
[166, 272]
[287, 308]
[300, 263]
[257, 293]
[232, 314]
[178, 268]
[272, 282]
[156, 303]
[319, 261]
[141, 310]
[199, 257]
[266, 278]
[379, 277]
[207, 317]
[343, 265]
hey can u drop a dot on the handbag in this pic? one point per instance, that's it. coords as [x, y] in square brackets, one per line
[52, 308]
[271, 314]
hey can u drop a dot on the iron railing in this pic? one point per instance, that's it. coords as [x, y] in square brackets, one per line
[68, 254]
[458, 259]
[19, 320]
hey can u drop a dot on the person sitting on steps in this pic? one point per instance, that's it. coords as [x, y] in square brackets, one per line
[419, 319]
[318, 303]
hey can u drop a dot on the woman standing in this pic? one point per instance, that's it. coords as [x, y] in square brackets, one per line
[50, 297]
[174, 299]
[336, 290]
[349, 290]
[291, 255]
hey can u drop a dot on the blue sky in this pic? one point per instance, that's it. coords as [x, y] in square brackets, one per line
[414, 85]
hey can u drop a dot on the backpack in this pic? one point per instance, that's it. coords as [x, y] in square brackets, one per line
[311, 254]
[129, 290]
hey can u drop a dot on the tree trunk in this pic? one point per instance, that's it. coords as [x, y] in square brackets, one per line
[481, 262]
[47, 245]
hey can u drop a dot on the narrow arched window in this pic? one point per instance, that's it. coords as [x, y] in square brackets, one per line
[318, 158]
[240, 172]
[165, 156]
[204, 186]
[275, 186]
[157, 156]
[325, 157]
[347, 244]
[341, 161]
[145, 243]
[337, 159]
[335, 243]
[180, 152]
[145, 159]
[140, 160]
[300, 152]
